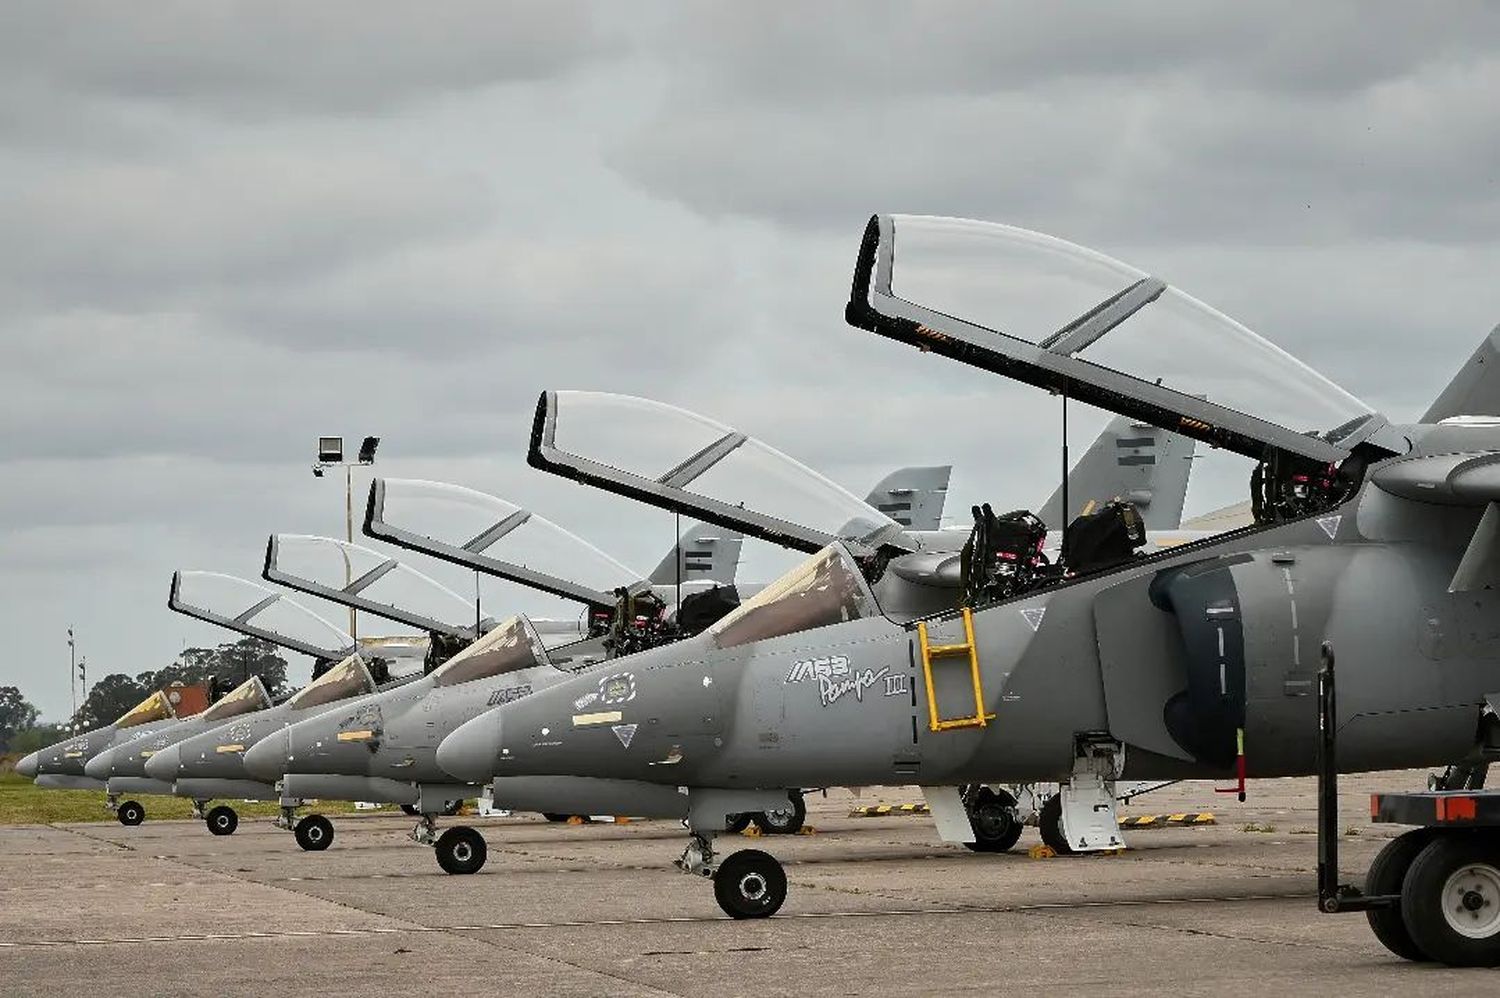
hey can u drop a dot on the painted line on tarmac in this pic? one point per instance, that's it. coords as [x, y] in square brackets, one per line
[649, 920]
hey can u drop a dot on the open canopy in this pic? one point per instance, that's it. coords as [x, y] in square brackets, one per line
[492, 535]
[827, 588]
[245, 698]
[253, 609]
[510, 647]
[1053, 314]
[679, 460]
[348, 678]
[359, 577]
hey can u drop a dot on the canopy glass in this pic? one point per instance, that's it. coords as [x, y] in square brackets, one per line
[251, 608]
[827, 588]
[155, 707]
[245, 698]
[347, 679]
[510, 647]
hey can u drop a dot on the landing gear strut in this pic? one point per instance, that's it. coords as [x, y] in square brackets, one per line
[747, 884]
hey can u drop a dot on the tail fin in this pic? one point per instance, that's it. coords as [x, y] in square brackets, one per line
[1134, 461]
[1475, 389]
[913, 497]
[706, 552]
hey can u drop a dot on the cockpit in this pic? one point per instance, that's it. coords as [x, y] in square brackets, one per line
[155, 707]
[245, 698]
[827, 588]
[510, 647]
[346, 679]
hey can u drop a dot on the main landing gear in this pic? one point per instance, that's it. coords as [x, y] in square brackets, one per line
[994, 816]
[459, 850]
[128, 813]
[747, 884]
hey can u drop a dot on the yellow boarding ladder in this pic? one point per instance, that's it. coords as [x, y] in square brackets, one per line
[967, 648]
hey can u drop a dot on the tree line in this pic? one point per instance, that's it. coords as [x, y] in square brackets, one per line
[227, 666]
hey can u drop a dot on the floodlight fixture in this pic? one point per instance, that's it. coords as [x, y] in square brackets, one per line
[330, 450]
[367, 450]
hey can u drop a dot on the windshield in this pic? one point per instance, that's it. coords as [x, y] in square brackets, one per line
[1074, 302]
[490, 533]
[155, 707]
[355, 575]
[512, 646]
[251, 608]
[692, 454]
[827, 588]
[243, 699]
[347, 679]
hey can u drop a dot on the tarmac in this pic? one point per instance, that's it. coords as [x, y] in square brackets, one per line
[875, 904]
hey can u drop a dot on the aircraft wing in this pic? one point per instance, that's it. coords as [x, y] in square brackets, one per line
[678, 460]
[356, 576]
[494, 536]
[1061, 317]
[251, 608]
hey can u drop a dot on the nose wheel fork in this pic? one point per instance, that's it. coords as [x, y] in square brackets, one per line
[747, 884]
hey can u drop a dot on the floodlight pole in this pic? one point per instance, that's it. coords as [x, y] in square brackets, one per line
[73, 671]
[349, 537]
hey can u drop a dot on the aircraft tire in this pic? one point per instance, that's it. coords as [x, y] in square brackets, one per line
[1386, 875]
[783, 821]
[554, 817]
[737, 823]
[314, 833]
[1049, 823]
[130, 813]
[750, 884]
[461, 850]
[222, 820]
[1450, 899]
[992, 815]
[410, 809]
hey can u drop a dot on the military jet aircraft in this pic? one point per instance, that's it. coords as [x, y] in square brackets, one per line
[63, 765]
[1195, 661]
[210, 764]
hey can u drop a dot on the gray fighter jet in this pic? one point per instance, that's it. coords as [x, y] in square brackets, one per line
[209, 764]
[1196, 661]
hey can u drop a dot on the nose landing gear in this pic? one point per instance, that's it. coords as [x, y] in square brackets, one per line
[459, 850]
[747, 884]
[222, 820]
[130, 813]
[314, 833]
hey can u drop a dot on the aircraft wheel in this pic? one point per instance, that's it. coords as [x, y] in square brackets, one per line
[750, 884]
[314, 833]
[992, 815]
[554, 817]
[131, 813]
[461, 850]
[1450, 900]
[452, 807]
[737, 823]
[1386, 875]
[222, 820]
[784, 820]
[1049, 823]
[410, 809]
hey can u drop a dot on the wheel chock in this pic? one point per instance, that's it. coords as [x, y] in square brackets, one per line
[753, 831]
[807, 830]
[1041, 852]
[577, 819]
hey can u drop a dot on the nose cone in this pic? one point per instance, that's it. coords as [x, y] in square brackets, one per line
[164, 764]
[99, 766]
[469, 753]
[266, 759]
[28, 765]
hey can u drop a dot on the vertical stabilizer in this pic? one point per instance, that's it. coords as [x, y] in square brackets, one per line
[913, 497]
[1475, 389]
[708, 553]
[1134, 461]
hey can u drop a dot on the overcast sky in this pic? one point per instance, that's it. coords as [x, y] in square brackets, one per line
[231, 227]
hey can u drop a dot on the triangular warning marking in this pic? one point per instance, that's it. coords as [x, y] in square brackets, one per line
[1330, 525]
[624, 732]
[1034, 616]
